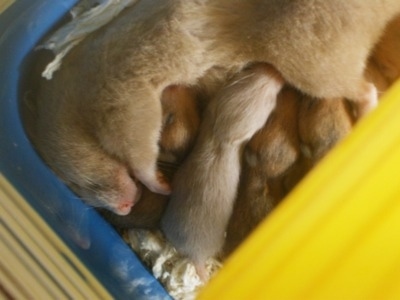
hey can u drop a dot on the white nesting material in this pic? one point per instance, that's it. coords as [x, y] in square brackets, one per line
[175, 272]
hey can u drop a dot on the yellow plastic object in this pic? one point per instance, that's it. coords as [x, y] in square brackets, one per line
[337, 235]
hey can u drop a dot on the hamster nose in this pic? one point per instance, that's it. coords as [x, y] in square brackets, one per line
[124, 207]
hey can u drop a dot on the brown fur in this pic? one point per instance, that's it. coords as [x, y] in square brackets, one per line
[322, 125]
[181, 120]
[205, 200]
[318, 127]
[145, 214]
[105, 99]
[180, 123]
[269, 154]
[274, 161]
[386, 55]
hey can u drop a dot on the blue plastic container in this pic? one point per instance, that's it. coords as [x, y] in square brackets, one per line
[93, 240]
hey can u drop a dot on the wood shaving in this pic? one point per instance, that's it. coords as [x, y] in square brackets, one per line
[174, 272]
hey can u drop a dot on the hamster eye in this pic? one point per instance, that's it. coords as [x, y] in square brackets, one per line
[169, 119]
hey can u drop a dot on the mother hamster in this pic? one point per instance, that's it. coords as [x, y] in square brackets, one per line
[114, 78]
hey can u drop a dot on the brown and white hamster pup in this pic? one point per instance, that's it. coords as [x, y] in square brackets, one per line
[107, 98]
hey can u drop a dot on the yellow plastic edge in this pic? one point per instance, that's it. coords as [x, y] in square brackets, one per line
[337, 235]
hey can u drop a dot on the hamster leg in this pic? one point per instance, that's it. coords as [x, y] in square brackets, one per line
[205, 186]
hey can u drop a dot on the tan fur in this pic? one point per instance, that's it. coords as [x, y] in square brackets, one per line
[323, 124]
[318, 127]
[146, 213]
[106, 98]
[269, 154]
[386, 55]
[181, 120]
[99, 178]
[200, 206]
[274, 160]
